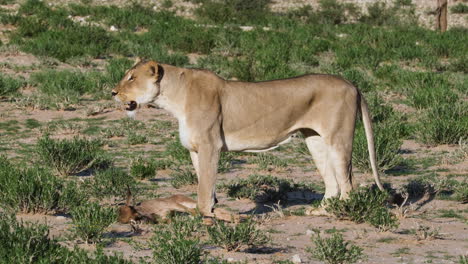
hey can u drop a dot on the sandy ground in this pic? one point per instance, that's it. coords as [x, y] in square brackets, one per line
[291, 235]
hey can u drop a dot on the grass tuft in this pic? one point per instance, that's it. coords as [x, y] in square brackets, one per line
[36, 190]
[30, 243]
[234, 237]
[90, 221]
[71, 156]
[364, 205]
[177, 242]
[335, 250]
[262, 188]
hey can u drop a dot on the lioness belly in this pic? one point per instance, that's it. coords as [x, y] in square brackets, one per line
[233, 143]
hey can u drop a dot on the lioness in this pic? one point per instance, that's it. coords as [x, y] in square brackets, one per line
[219, 115]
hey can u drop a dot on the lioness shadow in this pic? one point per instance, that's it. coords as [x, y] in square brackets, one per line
[290, 199]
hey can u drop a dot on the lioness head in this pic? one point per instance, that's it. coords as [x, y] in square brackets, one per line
[140, 85]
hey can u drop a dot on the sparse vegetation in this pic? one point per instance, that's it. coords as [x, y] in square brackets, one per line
[262, 188]
[143, 169]
[9, 86]
[177, 242]
[234, 237]
[30, 243]
[182, 177]
[90, 221]
[35, 190]
[71, 156]
[459, 8]
[111, 182]
[335, 250]
[364, 205]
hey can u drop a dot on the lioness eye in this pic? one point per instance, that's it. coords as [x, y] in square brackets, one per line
[131, 78]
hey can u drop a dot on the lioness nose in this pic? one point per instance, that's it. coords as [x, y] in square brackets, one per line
[114, 93]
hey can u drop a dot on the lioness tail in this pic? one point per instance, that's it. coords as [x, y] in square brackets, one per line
[370, 140]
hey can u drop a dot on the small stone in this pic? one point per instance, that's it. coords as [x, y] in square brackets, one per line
[231, 260]
[309, 232]
[296, 259]
[113, 28]
[288, 239]
[60, 218]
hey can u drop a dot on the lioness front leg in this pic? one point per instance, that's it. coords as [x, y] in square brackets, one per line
[208, 157]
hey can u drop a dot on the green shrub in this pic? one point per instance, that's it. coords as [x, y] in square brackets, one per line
[178, 153]
[461, 192]
[183, 177]
[234, 237]
[143, 169]
[44, 31]
[387, 141]
[129, 18]
[266, 161]
[71, 156]
[9, 86]
[443, 124]
[36, 190]
[262, 188]
[333, 12]
[90, 221]
[335, 250]
[459, 8]
[30, 243]
[135, 139]
[234, 11]
[68, 84]
[32, 123]
[111, 182]
[177, 242]
[364, 205]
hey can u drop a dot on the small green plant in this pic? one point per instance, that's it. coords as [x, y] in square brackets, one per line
[35, 190]
[177, 242]
[71, 156]
[234, 11]
[387, 144]
[463, 259]
[143, 169]
[30, 243]
[262, 188]
[335, 250]
[459, 8]
[266, 161]
[461, 192]
[234, 237]
[182, 177]
[111, 182]
[90, 221]
[134, 138]
[443, 124]
[364, 205]
[9, 86]
[178, 153]
[32, 123]
[422, 232]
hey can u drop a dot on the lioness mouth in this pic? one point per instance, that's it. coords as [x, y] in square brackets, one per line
[132, 105]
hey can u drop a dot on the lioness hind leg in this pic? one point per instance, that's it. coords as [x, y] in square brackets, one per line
[341, 159]
[322, 157]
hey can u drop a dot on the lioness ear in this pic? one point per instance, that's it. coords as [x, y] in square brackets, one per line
[137, 60]
[157, 71]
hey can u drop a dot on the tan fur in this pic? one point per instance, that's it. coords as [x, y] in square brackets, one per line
[218, 115]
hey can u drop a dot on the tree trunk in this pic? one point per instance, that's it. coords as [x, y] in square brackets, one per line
[441, 15]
